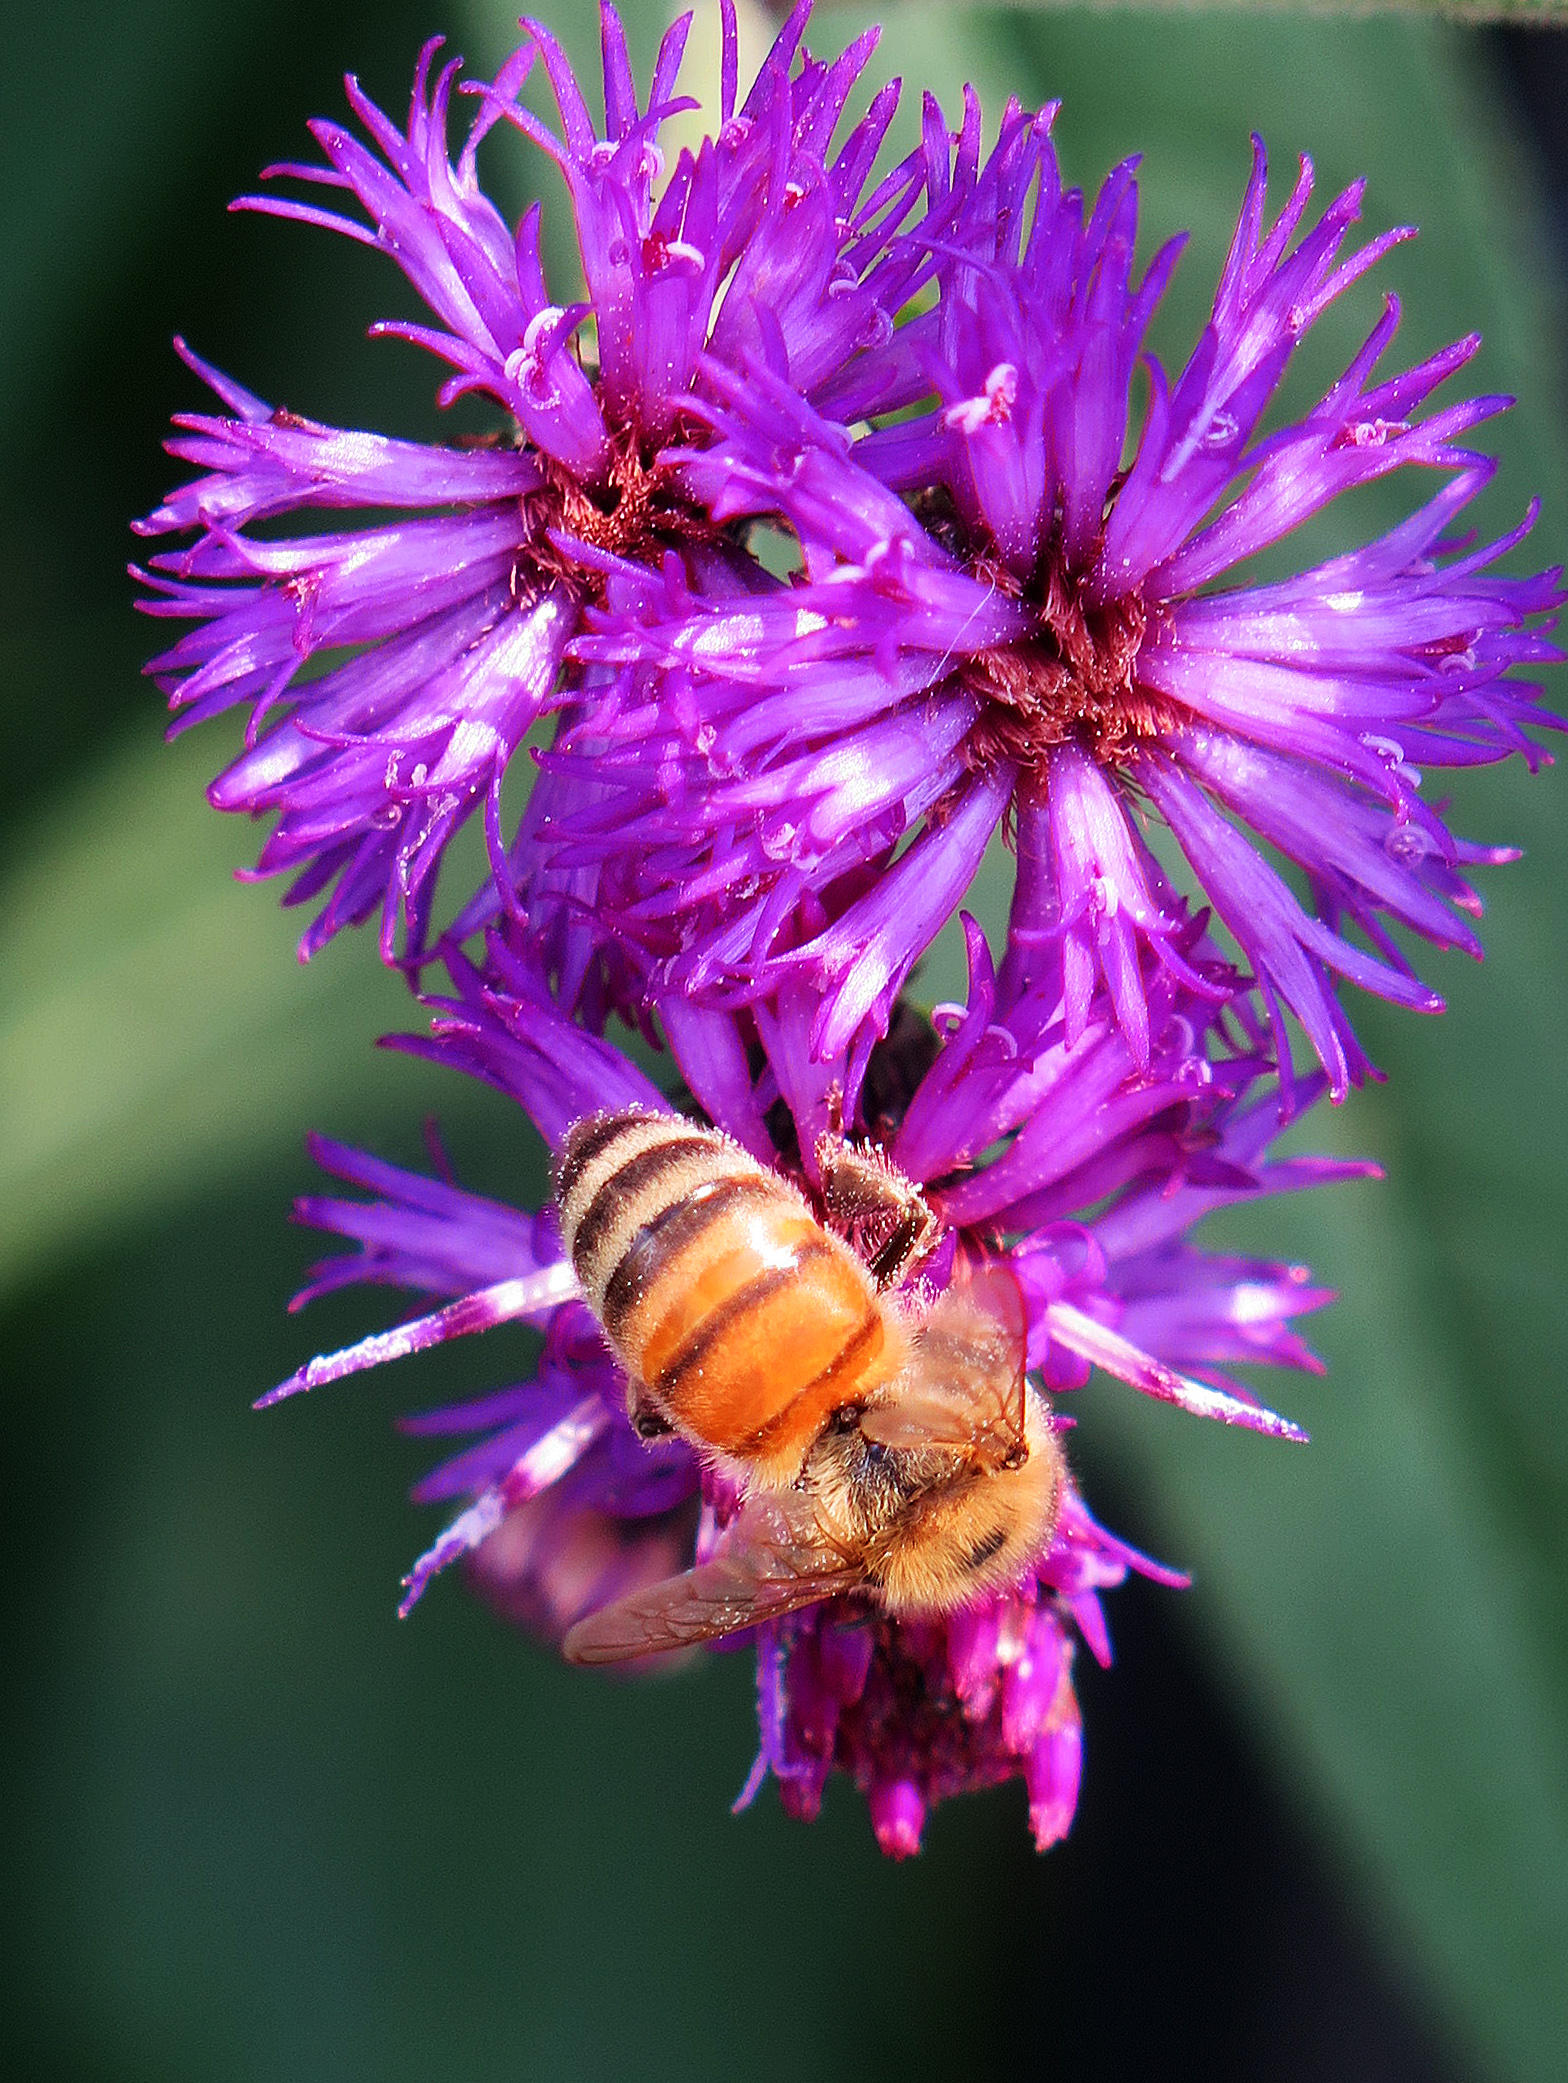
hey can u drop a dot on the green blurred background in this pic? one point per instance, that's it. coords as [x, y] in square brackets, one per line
[262, 1831]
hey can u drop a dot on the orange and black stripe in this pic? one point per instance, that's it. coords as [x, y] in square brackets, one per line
[722, 1295]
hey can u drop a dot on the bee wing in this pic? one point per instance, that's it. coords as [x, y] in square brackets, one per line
[776, 1558]
[965, 1385]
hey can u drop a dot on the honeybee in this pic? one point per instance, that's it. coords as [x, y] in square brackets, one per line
[902, 1454]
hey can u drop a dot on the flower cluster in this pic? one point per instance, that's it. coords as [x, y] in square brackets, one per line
[837, 521]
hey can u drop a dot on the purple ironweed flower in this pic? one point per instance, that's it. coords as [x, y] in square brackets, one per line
[444, 626]
[1018, 601]
[915, 1712]
[565, 1508]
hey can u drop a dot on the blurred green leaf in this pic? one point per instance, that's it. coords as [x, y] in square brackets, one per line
[158, 1028]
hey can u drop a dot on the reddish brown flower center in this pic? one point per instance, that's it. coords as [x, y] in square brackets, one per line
[909, 1722]
[635, 511]
[1074, 677]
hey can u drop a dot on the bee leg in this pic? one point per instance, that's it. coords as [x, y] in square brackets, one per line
[915, 1236]
[883, 1214]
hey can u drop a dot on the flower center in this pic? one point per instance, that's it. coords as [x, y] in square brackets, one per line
[1073, 677]
[636, 512]
[910, 1721]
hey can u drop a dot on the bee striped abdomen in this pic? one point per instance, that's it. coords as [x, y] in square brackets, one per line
[621, 1179]
[725, 1300]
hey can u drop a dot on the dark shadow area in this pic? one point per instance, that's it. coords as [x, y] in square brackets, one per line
[1533, 65]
